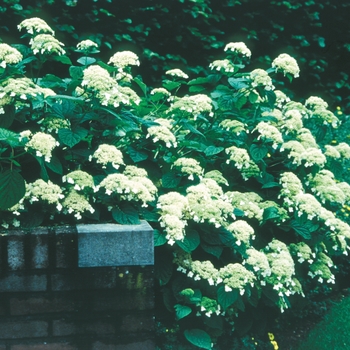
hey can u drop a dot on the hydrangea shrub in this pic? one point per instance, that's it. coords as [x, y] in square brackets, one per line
[232, 174]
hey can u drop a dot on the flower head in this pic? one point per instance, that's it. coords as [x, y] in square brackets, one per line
[123, 59]
[87, 45]
[239, 48]
[188, 166]
[35, 25]
[242, 231]
[236, 276]
[260, 77]
[45, 191]
[97, 78]
[162, 133]
[43, 145]
[108, 154]
[224, 65]
[46, 44]
[9, 55]
[239, 156]
[287, 64]
[177, 73]
[76, 203]
[79, 179]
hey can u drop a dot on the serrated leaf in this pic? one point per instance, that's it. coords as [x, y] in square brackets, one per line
[212, 150]
[258, 152]
[159, 238]
[142, 85]
[198, 338]
[170, 85]
[63, 109]
[190, 242]
[126, 215]
[12, 188]
[196, 88]
[86, 61]
[76, 72]
[55, 165]
[136, 156]
[238, 83]
[171, 180]
[9, 137]
[226, 299]
[300, 229]
[182, 311]
[71, 137]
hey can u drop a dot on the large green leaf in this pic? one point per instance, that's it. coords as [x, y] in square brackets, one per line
[55, 165]
[198, 338]
[12, 188]
[8, 117]
[9, 137]
[63, 59]
[226, 299]
[126, 215]
[270, 213]
[182, 311]
[63, 108]
[258, 152]
[171, 180]
[135, 155]
[163, 267]
[212, 150]
[159, 238]
[71, 137]
[85, 61]
[190, 242]
[300, 229]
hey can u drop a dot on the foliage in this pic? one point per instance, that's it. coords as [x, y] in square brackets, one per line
[235, 177]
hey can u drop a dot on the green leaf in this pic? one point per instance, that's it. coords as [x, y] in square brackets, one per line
[85, 61]
[238, 212]
[63, 59]
[212, 150]
[270, 213]
[253, 97]
[198, 338]
[226, 299]
[12, 188]
[171, 85]
[159, 238]
[215, 250]
[55, 165]
[300, 229]
[191, 128]
[76, 72]
[163, 268]
[182, 311]
[198, 81]
[63, 109]
[171, 180]
[258, 152]
[227, 237]
[142, 85]
[9, 137]
[196, 88]
[51, 81]
[271, 184]
[190, 242]
[136, 156]
[8, 117]
[238, 83]
[71, 137]
[126, 215]
[32, 219]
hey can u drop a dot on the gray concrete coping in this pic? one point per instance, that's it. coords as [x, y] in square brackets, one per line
[115, 245]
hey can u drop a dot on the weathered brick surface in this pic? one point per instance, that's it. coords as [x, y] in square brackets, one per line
[48, 303]
[23, 283]
[40, 305]
[23, 329]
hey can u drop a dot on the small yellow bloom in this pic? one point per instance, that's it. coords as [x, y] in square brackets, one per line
[271, 336]
[334, 142]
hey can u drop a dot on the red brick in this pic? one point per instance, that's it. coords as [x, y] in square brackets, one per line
[23, 329]
[44, 346]
[136, 323]
[32, 306]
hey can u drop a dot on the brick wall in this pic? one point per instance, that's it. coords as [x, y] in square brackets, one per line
[48, 302]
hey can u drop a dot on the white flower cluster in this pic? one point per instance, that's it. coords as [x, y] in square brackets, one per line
[97, 78]
[44, 191]
[119, 94]
[318, 109]
[269, 133]
[292, 121]
[291, 187]
[287, 64]
[307, 204]
[260, 77]
[173, 207]
[344, 150]
[79, 179]
[76, 203]
[188, 166]
[162, 133]
[248, 202]
[207, 202]
[194, 105]
[9, 55]
[35, 25]
[108, 154]
[130, 188]
[46, 43]
[86, 45]
[302, 252]
[257, 261]
[53, 124]
[225, 65]
[281, 99]
[239, 48]
[176, 72]
[123, 59]
[242, 231]
[306, 138]
[160, 91]
[233, 125]
[239, 156]
[236, 276]
[43, 145]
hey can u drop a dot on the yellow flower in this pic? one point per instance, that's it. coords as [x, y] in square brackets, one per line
[271, 336]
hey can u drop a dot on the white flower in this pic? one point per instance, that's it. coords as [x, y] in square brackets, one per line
[123, 59]
[177, 73]
[238, 47]
[287, 64]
